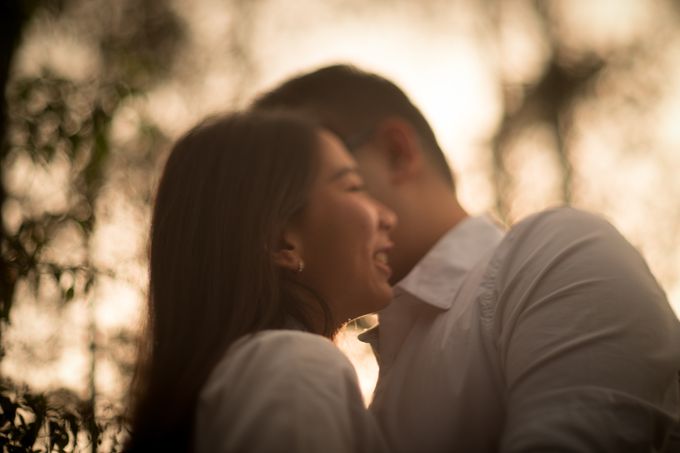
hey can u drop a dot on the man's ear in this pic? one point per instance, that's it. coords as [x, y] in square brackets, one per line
[288, 252]
[400, 143]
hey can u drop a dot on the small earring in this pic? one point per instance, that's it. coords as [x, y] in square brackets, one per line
[301, 267]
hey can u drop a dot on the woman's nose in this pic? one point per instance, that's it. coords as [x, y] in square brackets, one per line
[388, 219]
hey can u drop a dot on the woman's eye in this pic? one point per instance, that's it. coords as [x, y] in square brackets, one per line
[357, 188]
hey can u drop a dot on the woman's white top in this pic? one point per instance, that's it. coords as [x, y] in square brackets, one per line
[284, 391]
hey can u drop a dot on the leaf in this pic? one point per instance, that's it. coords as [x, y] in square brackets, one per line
[56, 273]
[58, 436]
[9, 410]
[89, 282]
[22, 420]
[31, 434]
[68, 295]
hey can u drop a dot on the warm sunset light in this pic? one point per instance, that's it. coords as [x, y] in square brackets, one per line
[577, 103]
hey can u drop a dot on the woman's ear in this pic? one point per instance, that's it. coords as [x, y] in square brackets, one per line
[399, 140]
[288, 252]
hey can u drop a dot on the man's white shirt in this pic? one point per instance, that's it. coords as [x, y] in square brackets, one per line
[554, 337]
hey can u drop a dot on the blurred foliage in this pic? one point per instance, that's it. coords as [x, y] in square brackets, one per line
[548, 101]
[55, 422]
[52, 116]
[571, 75]
[49, 118]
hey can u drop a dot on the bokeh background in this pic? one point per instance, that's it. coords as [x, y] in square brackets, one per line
[536, 103]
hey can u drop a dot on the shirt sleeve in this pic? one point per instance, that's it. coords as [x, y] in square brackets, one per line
[284, 391]
[588, 345]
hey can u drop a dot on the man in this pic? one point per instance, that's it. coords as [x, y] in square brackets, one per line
[552, 337]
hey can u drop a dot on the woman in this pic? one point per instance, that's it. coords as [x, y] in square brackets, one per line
[262, 243]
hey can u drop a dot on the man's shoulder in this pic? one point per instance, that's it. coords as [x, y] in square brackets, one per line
[546, 234]
[571, 252]
[560, 221]
[559, 248]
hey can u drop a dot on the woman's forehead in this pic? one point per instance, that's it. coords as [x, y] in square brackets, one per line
[334, 157]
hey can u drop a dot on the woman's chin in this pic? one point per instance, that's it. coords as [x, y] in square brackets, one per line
[384, 299]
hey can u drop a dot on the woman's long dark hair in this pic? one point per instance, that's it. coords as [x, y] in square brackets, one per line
[228, 189]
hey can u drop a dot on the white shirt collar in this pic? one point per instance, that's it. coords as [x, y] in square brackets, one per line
[437, 277]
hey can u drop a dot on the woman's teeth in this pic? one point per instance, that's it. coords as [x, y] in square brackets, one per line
[381, 257]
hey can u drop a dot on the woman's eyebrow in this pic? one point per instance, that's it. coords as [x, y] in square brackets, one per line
[341, 173]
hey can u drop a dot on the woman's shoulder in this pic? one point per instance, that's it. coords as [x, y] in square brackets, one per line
[284, 345]
[280, 355]
[283, 339]
[270, 387]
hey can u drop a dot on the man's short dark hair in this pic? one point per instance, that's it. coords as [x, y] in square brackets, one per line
[351, 102]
